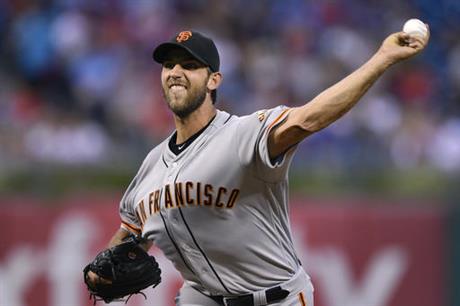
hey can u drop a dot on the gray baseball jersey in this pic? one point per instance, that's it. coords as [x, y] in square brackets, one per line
[219, 209]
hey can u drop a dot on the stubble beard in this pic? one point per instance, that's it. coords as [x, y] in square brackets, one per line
[183, 107]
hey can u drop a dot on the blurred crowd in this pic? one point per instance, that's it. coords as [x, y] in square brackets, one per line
[78, 85]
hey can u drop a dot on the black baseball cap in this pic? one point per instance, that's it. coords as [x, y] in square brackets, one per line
[199, 46]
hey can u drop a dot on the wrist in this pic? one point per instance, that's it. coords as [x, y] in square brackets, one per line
[382, 61]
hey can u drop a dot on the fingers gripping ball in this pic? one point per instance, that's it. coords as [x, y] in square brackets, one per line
[128, 269]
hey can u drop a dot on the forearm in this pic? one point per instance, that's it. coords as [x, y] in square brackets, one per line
[118, 237]
[338, 99]
[121, 234]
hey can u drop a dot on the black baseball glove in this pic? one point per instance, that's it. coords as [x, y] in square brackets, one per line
[127, 268]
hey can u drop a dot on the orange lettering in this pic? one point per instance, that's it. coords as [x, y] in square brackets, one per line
[168, 200]
[156, 201]
[151, 202]
[208, 194]
[179, 195]
[142, 211]
[139, 214]
[232, 198]
[198, 194]
[221, 191]
[188, 186]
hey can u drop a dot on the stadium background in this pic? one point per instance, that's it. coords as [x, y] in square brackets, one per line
[375, 196]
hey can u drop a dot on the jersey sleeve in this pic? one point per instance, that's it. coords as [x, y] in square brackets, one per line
[252, 139]
[129, 218]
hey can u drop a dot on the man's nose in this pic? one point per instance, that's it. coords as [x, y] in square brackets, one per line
[176, 70]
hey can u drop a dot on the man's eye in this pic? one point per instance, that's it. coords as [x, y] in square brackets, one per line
[190, 66]
[168, 65]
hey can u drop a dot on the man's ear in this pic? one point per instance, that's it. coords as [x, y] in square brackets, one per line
[214, 81]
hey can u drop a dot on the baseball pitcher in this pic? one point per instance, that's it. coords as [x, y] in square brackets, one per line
[213, 196]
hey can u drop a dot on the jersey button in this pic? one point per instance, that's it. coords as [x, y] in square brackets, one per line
[174, 164]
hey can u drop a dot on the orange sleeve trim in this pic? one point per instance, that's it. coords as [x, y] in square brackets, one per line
[130, 227]
[277, 119]
[302, 299]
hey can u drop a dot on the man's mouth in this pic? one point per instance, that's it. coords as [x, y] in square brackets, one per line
[177, 86]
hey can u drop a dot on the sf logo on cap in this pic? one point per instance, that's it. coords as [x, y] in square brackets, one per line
[183, 36]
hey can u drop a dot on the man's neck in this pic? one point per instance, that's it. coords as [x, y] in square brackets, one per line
[188, 126]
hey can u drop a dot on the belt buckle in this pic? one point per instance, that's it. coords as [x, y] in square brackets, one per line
[243, 300]
[224, 300]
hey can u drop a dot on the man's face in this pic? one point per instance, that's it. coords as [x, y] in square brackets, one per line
[184, 81]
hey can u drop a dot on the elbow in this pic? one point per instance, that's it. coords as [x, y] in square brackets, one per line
[316, 121]
[312, 125]
[305, 123]
[310, 118]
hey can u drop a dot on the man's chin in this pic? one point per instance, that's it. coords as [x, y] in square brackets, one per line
[179, 110]
[182, 113]
[176, 104]
[182, 108]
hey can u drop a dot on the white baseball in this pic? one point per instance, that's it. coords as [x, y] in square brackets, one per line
[415, 27]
